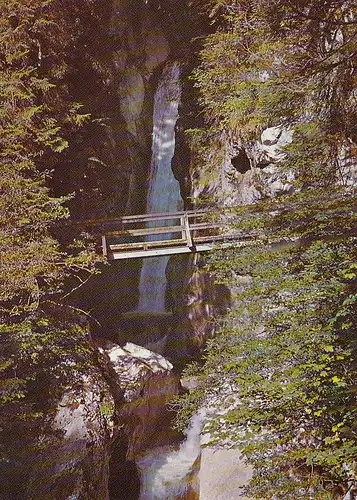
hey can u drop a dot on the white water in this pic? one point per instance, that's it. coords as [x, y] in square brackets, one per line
[164, 189]
[163, 474]
[163, 471]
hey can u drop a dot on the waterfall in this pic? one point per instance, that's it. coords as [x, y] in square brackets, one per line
[165, 476]
[164, 189]
[164, 472]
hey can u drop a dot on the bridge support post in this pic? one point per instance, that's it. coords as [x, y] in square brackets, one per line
[188, 232]
[104, 246]
[183, 229]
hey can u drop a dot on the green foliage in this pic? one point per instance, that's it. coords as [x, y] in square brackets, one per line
[33, 114]
[273, 63]
[43, 340]
[107, 410]
[283, 367]
[287, 351]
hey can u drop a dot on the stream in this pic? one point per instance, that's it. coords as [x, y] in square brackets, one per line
[165, 472]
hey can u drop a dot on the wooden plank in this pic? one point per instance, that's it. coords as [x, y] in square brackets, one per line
[222, 237]
[174, 242]
[154, 218]
[229, 236]
[126, 219]
[145, 244]
[165, 215]
[205, 225]
[179, 250]
[157, 252]
[145, 232]
[183, 231]
[162, 229]
[150, 218]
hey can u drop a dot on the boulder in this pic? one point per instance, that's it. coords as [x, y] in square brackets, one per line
[148, 385]
[134, 366]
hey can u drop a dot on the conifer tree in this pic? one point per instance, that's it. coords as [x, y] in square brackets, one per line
[44, 342]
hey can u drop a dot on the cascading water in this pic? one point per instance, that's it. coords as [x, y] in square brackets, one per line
[164, 189]
[165, 472]
[165, 476]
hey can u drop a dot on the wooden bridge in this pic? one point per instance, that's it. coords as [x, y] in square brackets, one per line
[165, 234]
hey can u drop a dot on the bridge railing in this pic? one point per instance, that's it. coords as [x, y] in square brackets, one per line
[160, 231]
[171, 233]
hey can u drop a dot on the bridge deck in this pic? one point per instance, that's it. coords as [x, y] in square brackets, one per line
[166, 234]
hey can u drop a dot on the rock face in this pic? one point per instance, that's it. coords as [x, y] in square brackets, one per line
[148, 385]
[134, 366]
[74, 465]
[196, 302]
[116, 413]
[245, 173]
[222, 475]
[143, 49]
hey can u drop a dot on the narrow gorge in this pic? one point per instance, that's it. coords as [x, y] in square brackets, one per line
[153, 315]
[167, 468]
[148, 318]
[221, 365]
